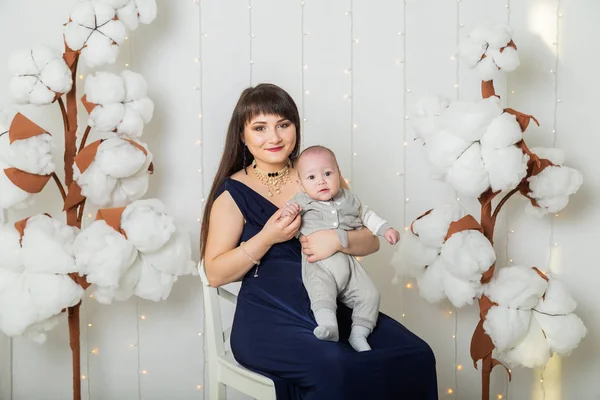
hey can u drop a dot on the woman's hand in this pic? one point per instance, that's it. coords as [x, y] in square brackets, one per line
[321, 244]
[281, 228]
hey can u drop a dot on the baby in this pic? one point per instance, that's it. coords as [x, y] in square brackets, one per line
[324, 205]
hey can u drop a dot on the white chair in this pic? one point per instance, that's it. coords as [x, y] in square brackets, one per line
[223, 370]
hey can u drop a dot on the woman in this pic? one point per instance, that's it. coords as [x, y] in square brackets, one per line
[245, 237]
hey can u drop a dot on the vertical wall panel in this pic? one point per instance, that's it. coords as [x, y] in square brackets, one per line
[327, 50]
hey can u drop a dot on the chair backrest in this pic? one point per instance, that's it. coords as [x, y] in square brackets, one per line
[216, 336]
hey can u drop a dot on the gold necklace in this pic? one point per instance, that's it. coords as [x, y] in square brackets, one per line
[272, 180]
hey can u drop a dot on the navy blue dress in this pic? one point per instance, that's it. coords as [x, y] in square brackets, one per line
[273, 327]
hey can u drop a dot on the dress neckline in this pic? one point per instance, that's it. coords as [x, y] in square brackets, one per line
[255, 192]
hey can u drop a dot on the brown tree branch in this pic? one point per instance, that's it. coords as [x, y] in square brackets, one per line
[63, 112]
[84, 139]
[502, 202]
[60, 186]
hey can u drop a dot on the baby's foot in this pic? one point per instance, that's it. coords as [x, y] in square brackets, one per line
[358, 338]
[327, 332]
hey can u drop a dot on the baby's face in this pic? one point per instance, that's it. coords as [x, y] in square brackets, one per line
[319, 175]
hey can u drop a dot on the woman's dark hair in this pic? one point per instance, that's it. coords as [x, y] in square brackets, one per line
[266, 99]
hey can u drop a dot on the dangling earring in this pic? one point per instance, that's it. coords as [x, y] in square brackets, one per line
[244, 151]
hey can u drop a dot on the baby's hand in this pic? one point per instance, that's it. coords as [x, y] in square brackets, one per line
[290, 209]
[392, 236]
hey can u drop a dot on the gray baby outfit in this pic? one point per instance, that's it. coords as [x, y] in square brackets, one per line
[340, 275]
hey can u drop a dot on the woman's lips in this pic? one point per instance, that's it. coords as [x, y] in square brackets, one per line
[275, 149]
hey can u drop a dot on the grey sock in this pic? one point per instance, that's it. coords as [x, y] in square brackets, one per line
[327, 328]
[358, 338]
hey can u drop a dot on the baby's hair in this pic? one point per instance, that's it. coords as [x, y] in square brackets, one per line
[316, 149]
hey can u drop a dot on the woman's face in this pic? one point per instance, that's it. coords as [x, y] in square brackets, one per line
[270, 138]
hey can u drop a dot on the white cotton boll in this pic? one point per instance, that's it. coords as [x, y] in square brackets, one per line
[33, 155]
[498, 36]
[57, 76]
[128, 14]
[468, 175]
[12, 196]
[48, 246]
[115, 30]
[554, 155]
[555, 181]
[432, 228]
[174, 257]
[119, 158]
[412, 255]
[20, 87]
[106, 117]
[135, 85]
[95, 186]
[469, 120]
[10, 248]
[144, 107]
[503, 131]
[154, 285]
[563, 333]
[538, 212]
[468, 254]
[507, 59]
[21, 62]
[99, 50]
[40, 95]
[480, 34]
[486, 69]
[103, 254]
[147, 225]
[132, 124]
[83, 13]
[125, 288]
[505, 167]
[516, 287]
[443, 149]
[130, 189]
[557, 299]
[471, 52]
[430, 282]
[146, 10]
[104, 87]
[506, 327]
[460, 292]
[533, 351]
[75, 35]
[431, 106]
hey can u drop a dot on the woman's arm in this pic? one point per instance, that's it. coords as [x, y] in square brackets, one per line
[361, 243]
[322, 244]
[224, 260]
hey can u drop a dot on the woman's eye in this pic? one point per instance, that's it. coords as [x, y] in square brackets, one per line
[259, 128]
[284, 125]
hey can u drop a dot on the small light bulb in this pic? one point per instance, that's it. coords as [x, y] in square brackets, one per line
[132, 345]
[408, 285]
[91, 296]
[500, 397]
[458, 199]
[198, 219]
[407, 199]
[355, 41]
[94, 351]
[401, 33]
[556, 215]
[196, 59]
[83, 377]
[198, 142]
[510, 260]
[558, 100]
[453, 336]
[305, 67]
[347, 70]
[144, 372]
[407, 90]
[450, 391]
[126, 37]
[199, 333]
[456, 85]
[199, 387]
[555, 244]
[406, 228]
[406, 117]
[403, 315]
[512, 91]
[452, 57]
[459, 367]
[307, 91]
[126, 64]
[551, 71]
[355, 126]
[449, 312]
[354, 153]
[541, 381]
[143, 317]
[81, 76]
[398, 173]
[405, 144]
[512, 231]
[200, 170]
[90, 325]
